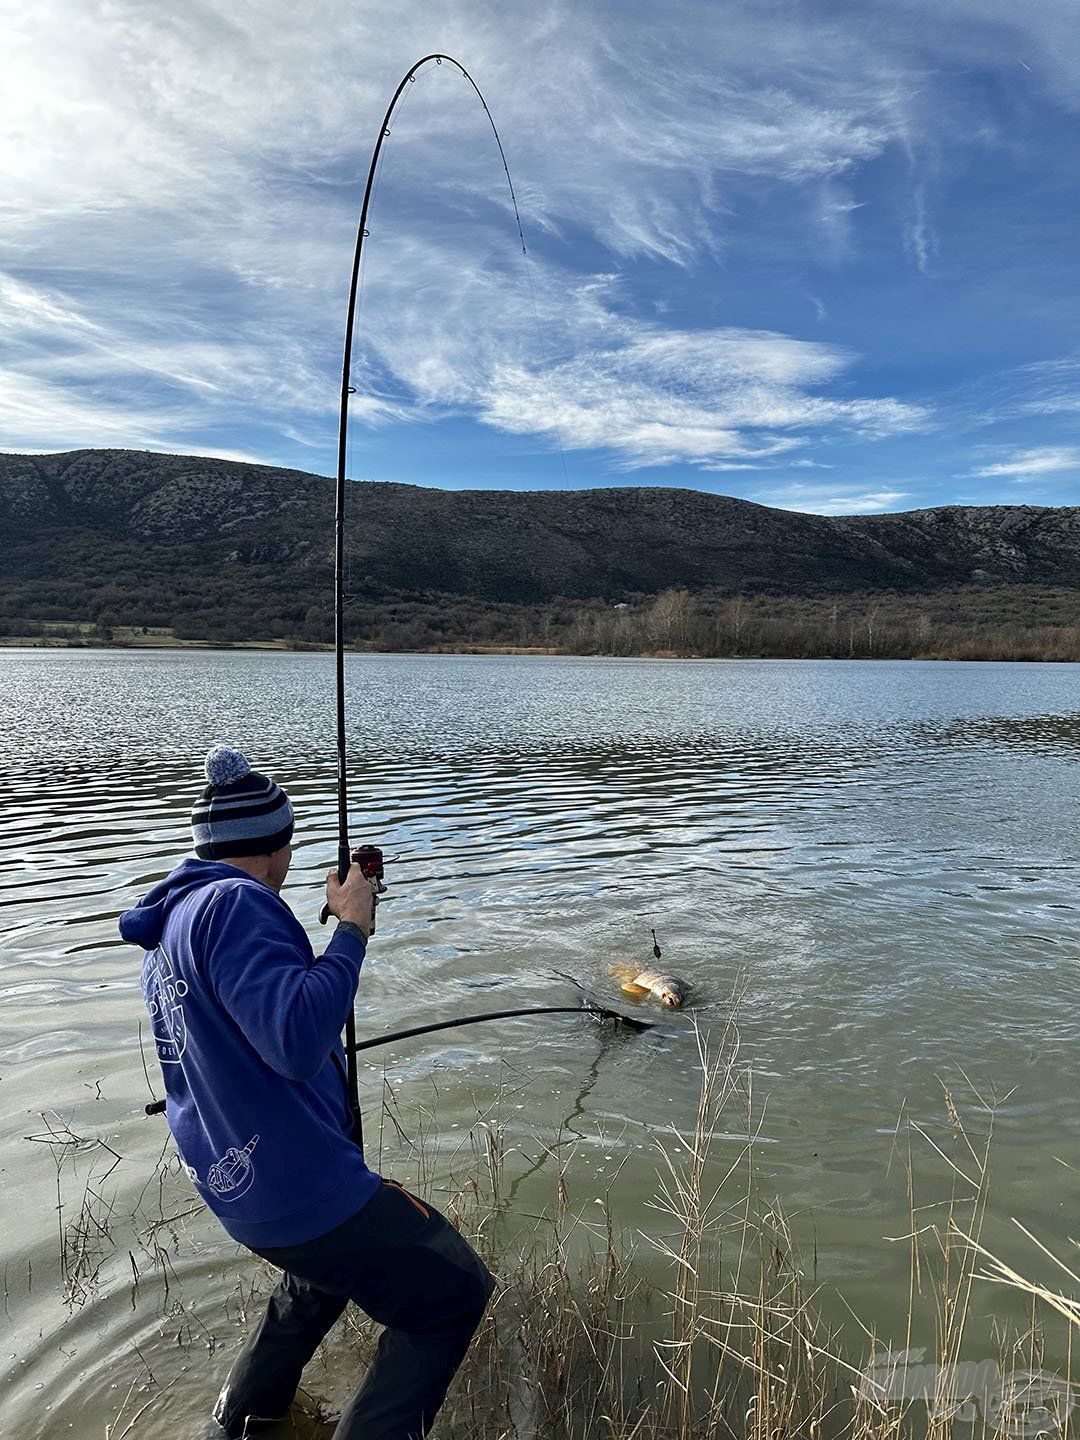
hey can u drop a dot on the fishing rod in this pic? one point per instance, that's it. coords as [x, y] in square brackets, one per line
[600, 1012]
[371, 861]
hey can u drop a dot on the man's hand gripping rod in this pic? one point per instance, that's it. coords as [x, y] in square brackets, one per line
[370, 860]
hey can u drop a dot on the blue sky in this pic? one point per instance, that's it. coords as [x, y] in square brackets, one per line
[822, 256]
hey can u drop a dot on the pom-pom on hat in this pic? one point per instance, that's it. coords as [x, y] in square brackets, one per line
[240, 812]
[223, 765]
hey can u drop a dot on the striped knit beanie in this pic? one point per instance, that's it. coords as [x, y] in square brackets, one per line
[240, 812]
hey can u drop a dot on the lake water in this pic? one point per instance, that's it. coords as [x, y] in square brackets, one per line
[881, 858]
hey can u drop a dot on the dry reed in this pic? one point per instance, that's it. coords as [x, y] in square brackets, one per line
[700, 1326]
[705, 1328]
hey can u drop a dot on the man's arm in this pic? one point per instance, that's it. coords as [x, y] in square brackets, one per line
[290, 1005]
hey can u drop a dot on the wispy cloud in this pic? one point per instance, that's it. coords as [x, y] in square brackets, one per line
[1051, 387]
[34, 408]
[1033, 464]
[705, 398]
[820, 500]
[920, 240]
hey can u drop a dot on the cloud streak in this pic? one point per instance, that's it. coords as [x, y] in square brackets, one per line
[821, 500]
[1033, 464]
[703, 398]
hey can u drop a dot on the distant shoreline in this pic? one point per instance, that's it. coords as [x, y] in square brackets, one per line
[283, 647]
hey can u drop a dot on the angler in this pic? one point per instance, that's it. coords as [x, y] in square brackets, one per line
[247, 1023]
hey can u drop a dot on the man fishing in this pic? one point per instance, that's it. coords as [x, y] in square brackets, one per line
[247, 1023]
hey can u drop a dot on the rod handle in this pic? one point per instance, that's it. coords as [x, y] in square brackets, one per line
[344, 862]
[324, 916]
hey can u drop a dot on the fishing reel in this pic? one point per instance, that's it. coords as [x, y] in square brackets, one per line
[369, 858]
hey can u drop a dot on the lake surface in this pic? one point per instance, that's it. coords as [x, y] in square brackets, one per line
[881, 858]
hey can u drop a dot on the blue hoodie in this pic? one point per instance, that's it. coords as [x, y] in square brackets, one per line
[247, 1024]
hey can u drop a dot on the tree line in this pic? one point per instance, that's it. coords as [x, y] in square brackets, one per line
[972, 622]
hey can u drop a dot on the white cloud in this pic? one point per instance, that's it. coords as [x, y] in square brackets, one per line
[920, 239]
[817, 500]
[29, 310]
[118, 373]
[1033, 464]
[584, 374]
[707, 398]
[446, 332]
[1041, 390]
[36, 409]
[621, 122]
[1052, 387]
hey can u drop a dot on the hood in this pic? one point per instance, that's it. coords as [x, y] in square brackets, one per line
[144, 925]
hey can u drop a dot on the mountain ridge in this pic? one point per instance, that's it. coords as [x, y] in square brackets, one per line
[86, 519]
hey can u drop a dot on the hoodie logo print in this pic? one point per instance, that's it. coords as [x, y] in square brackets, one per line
[164, 994]
[234, 1174]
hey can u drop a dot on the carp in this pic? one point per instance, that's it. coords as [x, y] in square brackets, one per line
[670, 990]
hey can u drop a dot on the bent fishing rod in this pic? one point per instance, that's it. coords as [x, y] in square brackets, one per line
[598, 1012]
[369, 857]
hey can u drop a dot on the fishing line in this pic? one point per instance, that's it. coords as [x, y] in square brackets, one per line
[544, 361]
[528, 265]
[359, 302]
[527, 261]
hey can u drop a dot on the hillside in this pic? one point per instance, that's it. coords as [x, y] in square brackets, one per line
[230, 550]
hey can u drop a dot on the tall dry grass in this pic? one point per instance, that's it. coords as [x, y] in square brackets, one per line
[706, 1323]
[706, 1327]
[965, 623]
